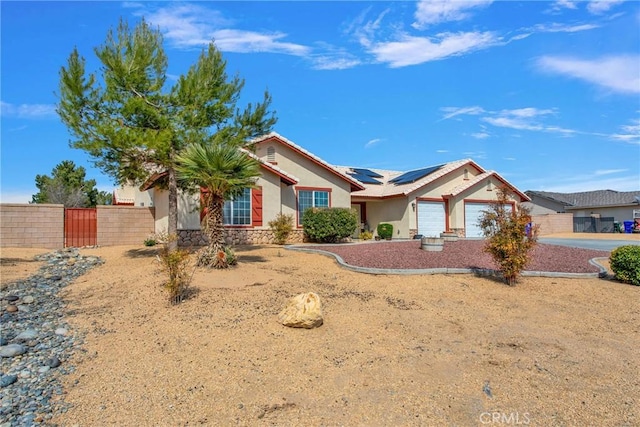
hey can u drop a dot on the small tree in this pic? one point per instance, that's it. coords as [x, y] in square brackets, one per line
[67, 186]
[510, 236]
[225, 171]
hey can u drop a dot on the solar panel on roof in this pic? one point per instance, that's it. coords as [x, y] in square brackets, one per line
[414, 175]
[364, 178]
[366, 172]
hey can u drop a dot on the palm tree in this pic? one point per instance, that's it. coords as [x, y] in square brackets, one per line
[224, 170]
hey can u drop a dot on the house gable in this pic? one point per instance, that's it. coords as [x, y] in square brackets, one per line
[278, 151]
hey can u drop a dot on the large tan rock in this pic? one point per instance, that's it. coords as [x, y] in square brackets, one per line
[302, 311]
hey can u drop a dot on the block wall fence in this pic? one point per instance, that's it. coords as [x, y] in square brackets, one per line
[42, 226]
[554, 223]
[31, 226]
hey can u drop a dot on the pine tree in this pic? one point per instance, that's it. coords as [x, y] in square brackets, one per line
[133, 125]
[67, 186]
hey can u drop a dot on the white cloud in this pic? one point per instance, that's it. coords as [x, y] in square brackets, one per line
[480, 135]
[598, 7]
[602, 172]
[629, 133]
[555, 27]
[565, 4]
[530, 119]
[27, 111]
[249, 41]
[436, 11]
[617, 73]
[190, 25]
[456, 111]
[410, 50]
[520, 119]
[372, 142]
[442, 151]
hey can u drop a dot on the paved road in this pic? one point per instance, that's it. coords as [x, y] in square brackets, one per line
[601, 245]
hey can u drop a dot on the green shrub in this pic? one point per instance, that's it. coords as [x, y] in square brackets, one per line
[329, 225]
[150, 241]
[175, 263]
[281, 227]
[366, 235]
[506, 233]
[625, 263]
[385, 231]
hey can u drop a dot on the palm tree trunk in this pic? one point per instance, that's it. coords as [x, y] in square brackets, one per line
[214, 254]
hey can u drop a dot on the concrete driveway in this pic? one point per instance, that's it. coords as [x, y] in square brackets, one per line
[601, 244]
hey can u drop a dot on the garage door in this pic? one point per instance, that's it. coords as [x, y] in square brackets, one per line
[431, 218]
[472, 214]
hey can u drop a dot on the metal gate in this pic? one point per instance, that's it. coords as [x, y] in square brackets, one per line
[80, 227]
[590, 224]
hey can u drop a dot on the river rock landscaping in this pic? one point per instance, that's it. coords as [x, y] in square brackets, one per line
[36, 342]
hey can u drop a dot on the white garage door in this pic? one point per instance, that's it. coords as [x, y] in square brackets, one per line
[431, 218]
[472, 214]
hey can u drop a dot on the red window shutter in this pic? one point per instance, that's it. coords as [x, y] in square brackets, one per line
[256, 207]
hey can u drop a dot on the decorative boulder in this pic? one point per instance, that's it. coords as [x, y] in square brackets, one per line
[302, 311]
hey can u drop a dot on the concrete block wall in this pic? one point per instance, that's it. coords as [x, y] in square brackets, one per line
[124, 225]
[31, 226]
[554, 223]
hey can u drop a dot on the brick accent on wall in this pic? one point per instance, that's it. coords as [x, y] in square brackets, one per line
[237, 237]
[31, 226]
[554, 223]
[124, 225]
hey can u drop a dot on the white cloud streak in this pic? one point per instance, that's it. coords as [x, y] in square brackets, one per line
[619, 73]
[372, 142]
[629, 133]
[430, 12]
[27, 111]
[410, 50]
[457, 111]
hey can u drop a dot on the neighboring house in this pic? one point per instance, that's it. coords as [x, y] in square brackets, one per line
[428, 201]
[619, 205]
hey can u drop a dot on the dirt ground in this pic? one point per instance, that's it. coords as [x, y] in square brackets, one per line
[393, 350]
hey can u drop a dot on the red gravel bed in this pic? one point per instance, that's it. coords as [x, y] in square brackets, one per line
[460, 254]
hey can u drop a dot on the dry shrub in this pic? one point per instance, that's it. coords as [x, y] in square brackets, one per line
[175, 264]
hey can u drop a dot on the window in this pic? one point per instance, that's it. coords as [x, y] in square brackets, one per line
[311, 199]
[237, 211]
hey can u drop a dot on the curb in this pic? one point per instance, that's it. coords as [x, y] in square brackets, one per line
[477, 271]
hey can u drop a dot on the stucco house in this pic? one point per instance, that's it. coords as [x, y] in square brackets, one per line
[427, 201]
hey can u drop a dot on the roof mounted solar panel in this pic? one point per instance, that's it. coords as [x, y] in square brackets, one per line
[366, 172]
[414, 175]
[364, 178]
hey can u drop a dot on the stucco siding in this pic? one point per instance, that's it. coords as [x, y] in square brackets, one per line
[188, 211]
[308, 172]
[391, 211]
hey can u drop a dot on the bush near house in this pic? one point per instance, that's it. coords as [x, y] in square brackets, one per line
[329, 225]
[625, 263]
[385, 231]
[281, 226]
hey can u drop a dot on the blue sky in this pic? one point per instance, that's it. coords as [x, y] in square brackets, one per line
[547, 93]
